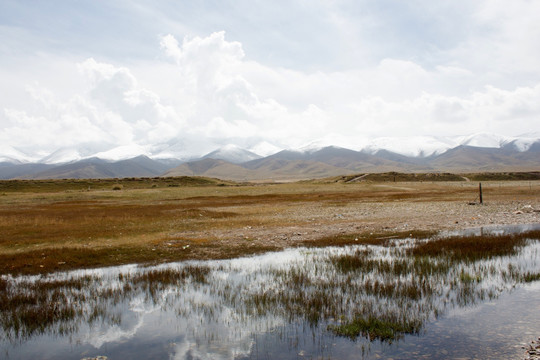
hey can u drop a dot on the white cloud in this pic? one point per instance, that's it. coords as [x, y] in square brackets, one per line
[111, 109]
[407, 69]
[220, 128]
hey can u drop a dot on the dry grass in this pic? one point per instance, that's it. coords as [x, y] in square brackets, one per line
[475, 247]
[51, 225]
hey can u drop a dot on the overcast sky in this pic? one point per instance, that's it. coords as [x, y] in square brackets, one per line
[147, 74]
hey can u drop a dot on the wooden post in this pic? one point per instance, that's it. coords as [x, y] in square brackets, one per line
[480, 189]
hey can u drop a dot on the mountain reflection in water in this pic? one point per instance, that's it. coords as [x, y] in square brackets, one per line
[363, 300]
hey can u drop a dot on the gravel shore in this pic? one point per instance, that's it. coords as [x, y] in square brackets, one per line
[314, 221]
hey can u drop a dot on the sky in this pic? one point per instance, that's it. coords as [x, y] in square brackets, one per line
[182, 78]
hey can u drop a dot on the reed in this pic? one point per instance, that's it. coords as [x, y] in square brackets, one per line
[476, 247]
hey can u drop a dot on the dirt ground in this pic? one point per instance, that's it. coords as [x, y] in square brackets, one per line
[305, 222]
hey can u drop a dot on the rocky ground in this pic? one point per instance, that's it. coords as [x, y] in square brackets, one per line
[532, 351]
[313, 221]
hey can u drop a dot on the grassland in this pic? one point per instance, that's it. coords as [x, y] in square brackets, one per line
[65, 224]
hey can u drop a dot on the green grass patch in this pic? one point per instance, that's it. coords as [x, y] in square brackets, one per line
[375, 328]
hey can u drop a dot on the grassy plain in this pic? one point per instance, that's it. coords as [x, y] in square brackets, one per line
[65, 224]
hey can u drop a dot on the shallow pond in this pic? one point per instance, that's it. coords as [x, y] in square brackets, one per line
[399, 299]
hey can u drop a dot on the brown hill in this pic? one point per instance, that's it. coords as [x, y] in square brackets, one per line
[294, 165]
[477, 159]
[334, 161]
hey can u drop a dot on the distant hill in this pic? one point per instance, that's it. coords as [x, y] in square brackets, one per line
[18, 170]
[476, 159]
[233, 163]
[212, 168]
[94, 168]
[233, 154]
[334, 161]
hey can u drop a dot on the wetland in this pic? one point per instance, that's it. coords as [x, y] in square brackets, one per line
[386, 299]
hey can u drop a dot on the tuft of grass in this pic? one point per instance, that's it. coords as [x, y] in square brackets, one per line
[468, 278]
[360, 260]
[165, 277]
[531, 277]
[376, 328]
[475, 247]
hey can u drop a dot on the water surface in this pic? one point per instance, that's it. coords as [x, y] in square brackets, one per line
[299, 303]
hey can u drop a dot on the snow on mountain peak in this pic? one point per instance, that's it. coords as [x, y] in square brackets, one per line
[416, 146]
[122, 152]
[232, 153]
[63, 155]
[11, 155]
[264, 149]
[522, 144]
[484, 140]
[336, 140]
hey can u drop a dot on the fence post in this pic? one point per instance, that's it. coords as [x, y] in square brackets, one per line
[480, 189]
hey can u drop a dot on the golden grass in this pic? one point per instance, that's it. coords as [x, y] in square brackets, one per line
[51, 225]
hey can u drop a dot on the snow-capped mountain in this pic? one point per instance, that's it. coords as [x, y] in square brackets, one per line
[425, 146]
[353, 143]
[123, 152]
[9, 154]
[63, 155]
[233, 154]
[523, 143]
[264, 148]
[485, 140]
[189, 149]
[91, 150]
[417, 146]
[184, 149]
[477, 153]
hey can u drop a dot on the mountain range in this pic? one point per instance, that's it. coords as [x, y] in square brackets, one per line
[478, 153]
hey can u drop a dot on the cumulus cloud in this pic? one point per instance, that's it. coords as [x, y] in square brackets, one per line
[225, 101]
[206, 90]
[113, 111]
